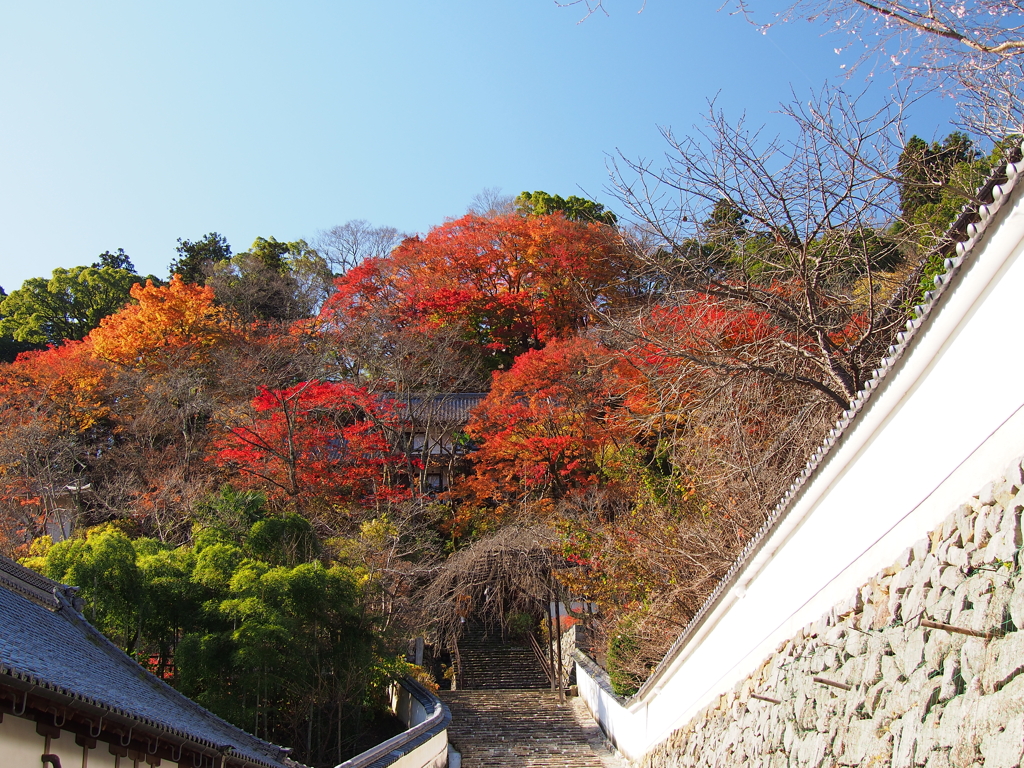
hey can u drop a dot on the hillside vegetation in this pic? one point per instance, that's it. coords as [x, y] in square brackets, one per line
[225, 463]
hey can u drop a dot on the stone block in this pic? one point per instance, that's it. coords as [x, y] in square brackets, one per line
[921, 548]
[965, 523]
[1005, 494]
[950, 577]
[1016, 504]
[957, 557]
[927, 737]
[1016, 605]
[913, 603]
[986, 496]
[942, 607]
[913, 652]
[981, 533]
[979, 557]
[1014, 472]
[866, 619]
[972, 659]
[964, 752]
[905, 579]
[891, 672]
[1002, 547]
[937, 648]
[947, 526]
[905, 558]
[1004, 661]
[994, 518]
[811, 750]
[905, 743]
[897, 640]
[864, 744]
[951, 723]
[874, 697]
[938, 759]
[882, 618]
[856, 643]
[1004, 748]
[952, 682]
[789, 737]
[961, 602]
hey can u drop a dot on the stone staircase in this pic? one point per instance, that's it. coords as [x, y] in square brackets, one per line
[506, 715]
[527, 728]
[489, 664]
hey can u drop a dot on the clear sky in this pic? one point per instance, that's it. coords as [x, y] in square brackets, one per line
[128, 124]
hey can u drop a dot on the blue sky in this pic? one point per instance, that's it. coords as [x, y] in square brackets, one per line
[127, 124]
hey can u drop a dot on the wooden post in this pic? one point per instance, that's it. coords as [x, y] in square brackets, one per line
[551, 650]
[960, 630]
[833, 683]
[558, 636]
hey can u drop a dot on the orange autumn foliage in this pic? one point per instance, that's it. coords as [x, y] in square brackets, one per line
[508, 283]
[66, 382]
[169, 324]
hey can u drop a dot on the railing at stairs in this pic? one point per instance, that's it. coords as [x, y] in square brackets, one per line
[423, 745]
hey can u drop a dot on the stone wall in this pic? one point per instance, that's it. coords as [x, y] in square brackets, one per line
[868, 684]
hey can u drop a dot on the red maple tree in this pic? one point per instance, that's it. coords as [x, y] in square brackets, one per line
[314, 443]
[509, 283]
[550, 425]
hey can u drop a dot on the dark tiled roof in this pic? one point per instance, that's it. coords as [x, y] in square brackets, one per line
[34, 586]
[45, 642]
[448, 408]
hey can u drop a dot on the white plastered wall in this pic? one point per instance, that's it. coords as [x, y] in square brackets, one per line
[22, 747]
[948, 419]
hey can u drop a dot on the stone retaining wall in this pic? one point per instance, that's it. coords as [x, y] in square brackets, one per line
[897, 693]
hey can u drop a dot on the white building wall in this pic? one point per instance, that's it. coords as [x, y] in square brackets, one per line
[947, 419]
[20, 745]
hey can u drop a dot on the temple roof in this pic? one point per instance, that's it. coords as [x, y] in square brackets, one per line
[48, 647]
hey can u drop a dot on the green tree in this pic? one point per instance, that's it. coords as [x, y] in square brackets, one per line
[575, 208]
[117, 260]
[935, 180]
[195, 260]
[273, 280]
[67, 306]
[246, 619]
[926, 170]
[103, 564]
[9, 347]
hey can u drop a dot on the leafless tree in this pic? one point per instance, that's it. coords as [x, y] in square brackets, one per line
[497, 576]
[972, 49]
[346, 245]
[793, 231]
[593, 6]
[398, 550]
[490, 202]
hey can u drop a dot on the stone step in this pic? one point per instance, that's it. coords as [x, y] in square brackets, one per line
[491, 664]
[527, 728]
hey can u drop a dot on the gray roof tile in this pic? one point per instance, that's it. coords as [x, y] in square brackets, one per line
[46, 642]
